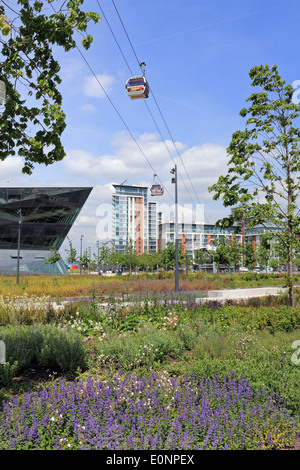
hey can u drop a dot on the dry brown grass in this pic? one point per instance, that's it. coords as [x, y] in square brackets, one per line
[93, 285]
[76, 285]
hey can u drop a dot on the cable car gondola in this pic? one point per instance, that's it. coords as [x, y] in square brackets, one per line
[156, 189]
[138, 87]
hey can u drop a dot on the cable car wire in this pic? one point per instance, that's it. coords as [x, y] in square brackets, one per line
[122, 23]
[118, 113]
[142, 65]
[150, 87]
[131, 72]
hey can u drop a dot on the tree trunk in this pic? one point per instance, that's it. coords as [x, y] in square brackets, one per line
[290, 276]
[290, 229]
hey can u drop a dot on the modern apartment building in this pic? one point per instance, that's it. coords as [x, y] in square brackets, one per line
[193, 236]
[134, 219]
[137, 220]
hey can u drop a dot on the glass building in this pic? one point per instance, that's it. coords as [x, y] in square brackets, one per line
[134, 219]
[36, 220]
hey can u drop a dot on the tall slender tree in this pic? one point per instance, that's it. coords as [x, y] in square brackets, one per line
[262, 183]
[53, 258]
[71, 253]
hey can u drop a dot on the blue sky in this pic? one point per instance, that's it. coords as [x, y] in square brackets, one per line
[198, 55]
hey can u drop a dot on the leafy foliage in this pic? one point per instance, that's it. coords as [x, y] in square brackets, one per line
[262, 183]
[225, 366]
[46, 345]
[30, 73]
[228, 252]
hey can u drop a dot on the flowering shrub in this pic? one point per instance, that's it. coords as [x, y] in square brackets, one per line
[141, 348]
[87, 327]
[170, 320]
[132, 412]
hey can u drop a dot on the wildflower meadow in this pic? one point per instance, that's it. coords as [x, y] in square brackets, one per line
[149, 372]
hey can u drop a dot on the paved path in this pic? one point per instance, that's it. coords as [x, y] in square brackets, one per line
[242, 293]
[213, 295]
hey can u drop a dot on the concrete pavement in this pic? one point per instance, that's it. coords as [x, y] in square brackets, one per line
[247, 293]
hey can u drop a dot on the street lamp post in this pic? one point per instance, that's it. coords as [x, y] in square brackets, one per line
[174, 180]
[97, 243]
[81, 252]
[19, 243]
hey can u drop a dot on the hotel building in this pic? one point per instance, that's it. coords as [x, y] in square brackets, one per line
[134, 219]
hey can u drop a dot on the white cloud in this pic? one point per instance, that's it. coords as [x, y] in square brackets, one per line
[134, 160]
[95, 86]
[89, 108]
[71, 68]
[9, 168]
[206, 160]
[97, 168]
[146, 146]
[204, 164]
[198, 167]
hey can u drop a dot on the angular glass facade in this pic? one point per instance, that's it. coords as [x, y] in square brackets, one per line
[47, 215]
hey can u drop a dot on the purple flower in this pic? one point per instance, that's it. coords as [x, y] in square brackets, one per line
[133, 412]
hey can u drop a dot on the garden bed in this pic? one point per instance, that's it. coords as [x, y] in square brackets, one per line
[233, 362]
[97, 286]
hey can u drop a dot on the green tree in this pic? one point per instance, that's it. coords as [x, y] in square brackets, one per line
[262, 182]
[53, 258]
[274, 263]
[33, 120]
[264, 250]
[103, 255]
[227, 252]
[149, 261]
[116, 258]
[249, 256]
[155, 260]
[168, 255]
[131, 258]
[296, 261]
[200, 257]
[71, 253]
[84, 260]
